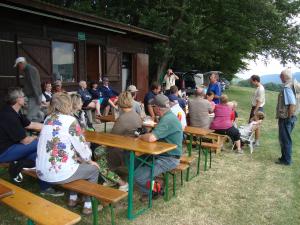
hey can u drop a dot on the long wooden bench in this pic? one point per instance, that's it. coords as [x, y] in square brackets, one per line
[37, 209]
[106, 195]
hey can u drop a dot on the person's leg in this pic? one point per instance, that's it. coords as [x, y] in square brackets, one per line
[97, 106]
[288, 126]
[235, 136]
[281, 138]
[33, 112]
[251, 114]
[20, 151]
[106, 110]
[161, 165]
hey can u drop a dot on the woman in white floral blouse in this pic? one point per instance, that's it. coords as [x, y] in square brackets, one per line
[63, 155]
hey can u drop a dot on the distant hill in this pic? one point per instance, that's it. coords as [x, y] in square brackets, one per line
[275, 78]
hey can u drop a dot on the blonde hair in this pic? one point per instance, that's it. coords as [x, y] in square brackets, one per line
[76, 102]
[61, 103]
[224, 99]
[233, 104]
[125, 100]
[259, 115]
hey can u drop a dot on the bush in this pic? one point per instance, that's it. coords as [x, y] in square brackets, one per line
[244, 83]
[272, 86]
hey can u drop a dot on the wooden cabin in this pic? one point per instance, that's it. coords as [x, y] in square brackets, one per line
[72, 46]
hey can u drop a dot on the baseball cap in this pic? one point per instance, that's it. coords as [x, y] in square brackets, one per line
[19, 59]
[105, 79]
[132, 88]
[160, 100]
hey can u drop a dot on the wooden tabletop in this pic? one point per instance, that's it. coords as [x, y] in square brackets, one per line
[197, 131]
[38, 209]
[108, 118]
[128, 143]
[5, 191]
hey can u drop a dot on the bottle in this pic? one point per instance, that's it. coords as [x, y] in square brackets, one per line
[179, 116]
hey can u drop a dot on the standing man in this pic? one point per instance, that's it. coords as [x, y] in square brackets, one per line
[168, 130]
[215, 87]
[170, 78]
[285, 113]
[257, 102]
[32, 89]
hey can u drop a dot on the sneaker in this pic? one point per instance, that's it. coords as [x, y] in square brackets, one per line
[124, 187]
[73, 203]
[51, 192]
[89, 211]
[18, 178]
[256, 144]
[240, 151]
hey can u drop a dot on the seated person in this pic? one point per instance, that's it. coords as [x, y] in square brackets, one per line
[174, 97]
[126, 124]
[178, 111]
[222, 122]
[234, 114]
[15, 144]
[210, 97]
[46, 94]
[256, 120]
[137, 106]
[199, 110]
[169, 130]
[87, 100]
[57, 87]
[110, 96]
[155, 90]
[63, 154]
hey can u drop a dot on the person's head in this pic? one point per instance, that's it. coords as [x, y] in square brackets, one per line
[255, 79]
[60, 103]
[57, 86]
[174, 90]
[20, 63]
[160, 104]
[258, 116]
[199, 92]
[125, 100]
[94, 85]
[169, 71]
[47, 86]
[76, 102]
[15, 96]
[286, 75]
[105, 81]
[82, 84]
[233, 105]
[133, 90]
[224, 99]
[213, 78]
[155, 87]
[210, 95]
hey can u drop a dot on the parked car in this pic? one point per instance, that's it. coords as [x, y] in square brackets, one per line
[189, 81]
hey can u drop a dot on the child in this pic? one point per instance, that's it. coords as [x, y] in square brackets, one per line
[234, 114]
[210, 96]
[253, 125]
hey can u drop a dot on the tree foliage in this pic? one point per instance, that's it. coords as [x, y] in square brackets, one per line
[207, 34]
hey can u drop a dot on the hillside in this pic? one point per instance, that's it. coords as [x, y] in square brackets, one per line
[275, 78]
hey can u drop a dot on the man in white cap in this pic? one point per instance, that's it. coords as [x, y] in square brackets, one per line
[136, 105]
[32, 89]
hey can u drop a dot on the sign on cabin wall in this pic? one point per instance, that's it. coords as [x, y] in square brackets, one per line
[81, 36]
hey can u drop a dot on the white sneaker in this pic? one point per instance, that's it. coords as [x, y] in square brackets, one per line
[124, 187]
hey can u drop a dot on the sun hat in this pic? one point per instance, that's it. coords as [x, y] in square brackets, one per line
[160, 100]
[132, 88]
[19, 60]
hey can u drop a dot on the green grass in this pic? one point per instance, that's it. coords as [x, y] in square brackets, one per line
[237, 190]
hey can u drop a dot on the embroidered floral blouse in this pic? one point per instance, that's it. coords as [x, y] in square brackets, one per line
[61, 143]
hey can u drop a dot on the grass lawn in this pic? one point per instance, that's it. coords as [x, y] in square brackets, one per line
[237, 190]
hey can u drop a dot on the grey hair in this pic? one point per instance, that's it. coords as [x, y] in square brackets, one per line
[13, 94]
[287, 73]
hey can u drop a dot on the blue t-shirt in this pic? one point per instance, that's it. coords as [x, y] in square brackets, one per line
[169, 130]
[150, 95]
[289, 96]
[216, 89]
[180, 101]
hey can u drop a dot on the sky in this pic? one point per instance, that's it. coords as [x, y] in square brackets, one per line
[259, 67]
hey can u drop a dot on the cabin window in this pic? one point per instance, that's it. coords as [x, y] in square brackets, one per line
[63, 60]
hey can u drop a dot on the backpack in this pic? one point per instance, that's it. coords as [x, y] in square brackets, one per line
[296, 90]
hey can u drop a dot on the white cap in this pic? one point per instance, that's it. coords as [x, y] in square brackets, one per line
[132, 88]
[19, 60]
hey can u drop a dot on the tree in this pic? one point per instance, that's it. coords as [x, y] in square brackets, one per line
[208, 34]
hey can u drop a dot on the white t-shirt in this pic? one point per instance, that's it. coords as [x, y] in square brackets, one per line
[259, 95]
[176, 109]
[170, 81]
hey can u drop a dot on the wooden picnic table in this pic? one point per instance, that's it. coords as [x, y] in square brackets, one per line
[5, 191]
[136, 147]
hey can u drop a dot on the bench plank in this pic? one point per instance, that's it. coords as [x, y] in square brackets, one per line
[38, 209]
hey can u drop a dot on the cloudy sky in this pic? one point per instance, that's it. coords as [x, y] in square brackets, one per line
[259, 67]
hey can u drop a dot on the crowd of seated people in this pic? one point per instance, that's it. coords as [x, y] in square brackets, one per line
[61, 153]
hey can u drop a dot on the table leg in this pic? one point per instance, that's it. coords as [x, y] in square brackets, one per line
[130, 186]
[151, 182]
[189, 149]
[104, 127]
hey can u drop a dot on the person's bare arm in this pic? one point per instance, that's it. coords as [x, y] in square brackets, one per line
[149, 137]
[176, 77]
[291, 110]
[35, 126]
